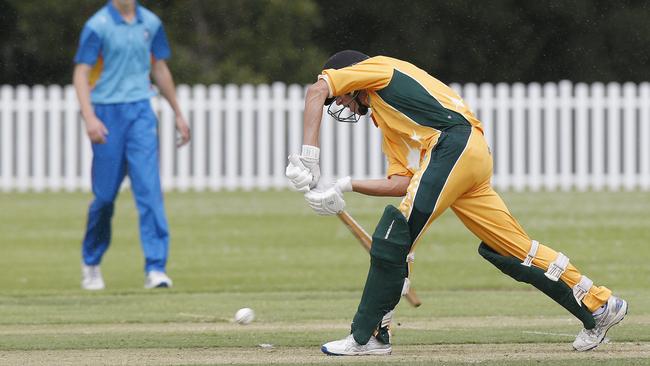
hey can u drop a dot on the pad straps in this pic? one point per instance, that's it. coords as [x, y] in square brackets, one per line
[558, 267]
[406, 286]
[387, 319]
[581, 289]
[531, 254]
[410, 258]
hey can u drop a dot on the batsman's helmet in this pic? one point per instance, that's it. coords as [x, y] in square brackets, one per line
[343, 59]
[337, 61]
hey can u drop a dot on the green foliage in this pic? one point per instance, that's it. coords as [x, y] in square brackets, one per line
[247, 41]
[261, 41]
[40, 47]
[502, 40]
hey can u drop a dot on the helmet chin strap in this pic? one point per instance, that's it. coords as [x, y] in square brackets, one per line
[363, 109]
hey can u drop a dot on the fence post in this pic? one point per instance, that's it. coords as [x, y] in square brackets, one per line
[470, 96]
[263, 137]
[22, 139]
[7, 143]
[486, 112]
[71, 139]
[248, 137]
[342, 146]
[232, 141]
[215, 109]
[85, 154]
[296, 105]
[359, 146]
[279, 154]
[598, 156]
[645, 135]
[613, 103]
[519, 122]
[581, 138]
[535, 137]
[38, 142]
[55, 97]
[183, 155]
[550, 136]
[629, 136]
[566, 135]
[501, 148]
[197, 144]
[376, 160]
[166, 131]
[327, 149]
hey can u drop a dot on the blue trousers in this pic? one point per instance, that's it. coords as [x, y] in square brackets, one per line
[131, 148]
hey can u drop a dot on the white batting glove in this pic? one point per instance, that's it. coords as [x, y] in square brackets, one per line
[310, 157]
[298, 174]
[329, 201]
[303, 170]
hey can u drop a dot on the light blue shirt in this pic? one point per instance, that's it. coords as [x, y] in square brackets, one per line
[124, 52]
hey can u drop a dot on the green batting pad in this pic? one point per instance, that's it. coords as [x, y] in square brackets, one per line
[556, 290]
[391, 243]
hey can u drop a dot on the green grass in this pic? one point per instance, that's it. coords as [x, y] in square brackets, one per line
[303, 274]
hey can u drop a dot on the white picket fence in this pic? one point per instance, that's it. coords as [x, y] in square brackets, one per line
[543, 136]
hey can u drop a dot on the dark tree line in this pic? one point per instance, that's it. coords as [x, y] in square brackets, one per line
[259, 41]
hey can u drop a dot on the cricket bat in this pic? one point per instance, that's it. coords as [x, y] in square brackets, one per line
[366, 241]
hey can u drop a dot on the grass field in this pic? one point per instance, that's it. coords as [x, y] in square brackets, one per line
[303, 275]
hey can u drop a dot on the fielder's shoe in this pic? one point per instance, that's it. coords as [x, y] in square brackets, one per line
[349, 347]
[615, 310]
[157, 279]
[91, 278]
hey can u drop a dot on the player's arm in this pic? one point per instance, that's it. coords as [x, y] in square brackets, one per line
[94, 126]
[314, 101]
[393, 186]
[90, 45]
[398, 174]
[303, 170]
[163, 78]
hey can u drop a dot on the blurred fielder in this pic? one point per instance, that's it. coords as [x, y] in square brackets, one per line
[120, 46]
[437, 159]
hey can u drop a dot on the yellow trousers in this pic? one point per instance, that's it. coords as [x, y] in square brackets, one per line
[456, 173]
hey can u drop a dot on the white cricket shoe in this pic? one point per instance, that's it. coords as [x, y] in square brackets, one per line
[349, 347]
[157, 279]
[91, 278]
[615, 310]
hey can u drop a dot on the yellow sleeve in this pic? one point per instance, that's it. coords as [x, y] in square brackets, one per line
[397, 158]
[371, 74]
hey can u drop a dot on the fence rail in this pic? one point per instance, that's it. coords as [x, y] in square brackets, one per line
[543, 136]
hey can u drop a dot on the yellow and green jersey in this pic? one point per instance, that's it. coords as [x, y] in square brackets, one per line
[410, 106]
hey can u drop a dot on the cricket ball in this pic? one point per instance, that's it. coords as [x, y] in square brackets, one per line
[244, 316]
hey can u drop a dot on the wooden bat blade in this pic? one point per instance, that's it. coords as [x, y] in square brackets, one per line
[364, 238]
[413, 298]
[366, 241]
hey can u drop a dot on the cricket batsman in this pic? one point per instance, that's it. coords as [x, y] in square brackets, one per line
[438, 158]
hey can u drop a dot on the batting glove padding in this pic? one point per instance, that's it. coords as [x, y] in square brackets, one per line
[298, 174]
[303, 170]
[328, 202]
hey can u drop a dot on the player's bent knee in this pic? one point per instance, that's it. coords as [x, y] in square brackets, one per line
[391, 240]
